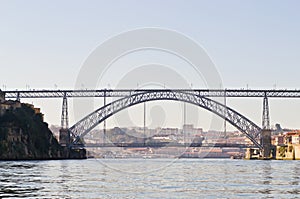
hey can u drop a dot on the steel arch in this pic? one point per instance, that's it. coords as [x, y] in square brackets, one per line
[246, 126]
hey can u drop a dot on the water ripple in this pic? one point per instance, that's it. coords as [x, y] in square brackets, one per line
[184, 178]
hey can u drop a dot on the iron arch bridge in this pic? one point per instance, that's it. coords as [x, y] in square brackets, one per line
[243, 124]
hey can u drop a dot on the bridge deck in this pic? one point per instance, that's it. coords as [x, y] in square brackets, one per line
[128, 92]
[176, 145]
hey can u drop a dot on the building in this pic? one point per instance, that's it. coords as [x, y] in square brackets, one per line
[168, 131]
[9, 104]
[296, 139]
[288, 146]
[278, 140]
[189, 132]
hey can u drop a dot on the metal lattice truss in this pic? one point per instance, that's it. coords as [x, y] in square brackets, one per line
[250, 129]
[127, 92]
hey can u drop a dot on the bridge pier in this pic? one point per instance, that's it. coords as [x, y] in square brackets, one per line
[266, 143]
[64, 137]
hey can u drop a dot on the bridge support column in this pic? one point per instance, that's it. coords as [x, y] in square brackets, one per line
[2, 96]
[104, 122]
[266, 143]
[64, 134]
[64, 137]
[266, 115]
[64, 113]
[18, 97]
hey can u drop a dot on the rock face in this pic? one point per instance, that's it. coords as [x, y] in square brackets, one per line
[24, 136]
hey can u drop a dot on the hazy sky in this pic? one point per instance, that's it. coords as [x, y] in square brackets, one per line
[254, 43]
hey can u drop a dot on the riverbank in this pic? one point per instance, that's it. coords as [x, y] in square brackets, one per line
[25, 136]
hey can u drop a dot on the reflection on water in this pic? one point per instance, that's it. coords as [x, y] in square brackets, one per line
[136, 178]
[266, 178]
[296, 177]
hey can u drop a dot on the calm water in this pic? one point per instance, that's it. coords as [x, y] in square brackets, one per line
[150, 178]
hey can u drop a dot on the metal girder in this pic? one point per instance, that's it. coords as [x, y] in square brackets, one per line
[128, 92]
[250, 129]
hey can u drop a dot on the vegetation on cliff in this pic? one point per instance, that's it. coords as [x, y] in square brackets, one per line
[24, 135]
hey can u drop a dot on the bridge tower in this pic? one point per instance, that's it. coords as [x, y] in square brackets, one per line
[64, 135]
[64, 114]
[266, 130]
[266, 116]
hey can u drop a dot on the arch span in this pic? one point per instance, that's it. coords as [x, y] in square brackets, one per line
[246, 126]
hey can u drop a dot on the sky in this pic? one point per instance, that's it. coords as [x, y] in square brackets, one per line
[254, 44]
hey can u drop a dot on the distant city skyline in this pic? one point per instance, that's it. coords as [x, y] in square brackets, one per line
[254, 44]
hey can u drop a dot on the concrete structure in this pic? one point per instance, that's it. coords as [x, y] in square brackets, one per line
[266, 142]
[285, 152]
[268, 151]
[64, 137]
[252, 153]
[297, 151]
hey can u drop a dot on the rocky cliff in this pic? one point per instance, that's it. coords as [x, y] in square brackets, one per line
[24, 135]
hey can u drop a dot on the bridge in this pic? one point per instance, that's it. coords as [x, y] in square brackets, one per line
[204, 98]
[142, 145]
[127, 92]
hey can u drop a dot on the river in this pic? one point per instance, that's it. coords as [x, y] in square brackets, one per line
[150, 178]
